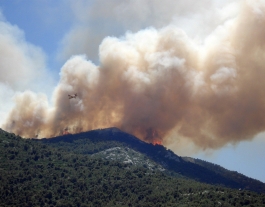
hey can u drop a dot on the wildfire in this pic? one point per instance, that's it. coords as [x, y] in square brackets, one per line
[157, 142]
[65, 132]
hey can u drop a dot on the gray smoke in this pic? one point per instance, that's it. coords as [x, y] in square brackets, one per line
[161, 85]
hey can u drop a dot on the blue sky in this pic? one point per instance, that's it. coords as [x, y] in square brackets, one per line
[44, 24]
[44, 34]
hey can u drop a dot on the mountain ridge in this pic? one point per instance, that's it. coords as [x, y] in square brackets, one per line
[198, 170]
[64, 173]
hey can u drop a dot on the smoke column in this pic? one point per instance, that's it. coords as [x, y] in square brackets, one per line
[160, 85]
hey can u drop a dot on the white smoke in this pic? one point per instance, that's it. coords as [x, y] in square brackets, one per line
[163, 83]
[22, 65]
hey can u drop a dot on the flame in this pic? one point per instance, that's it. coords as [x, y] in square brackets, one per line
[157, 142]
[66, 132]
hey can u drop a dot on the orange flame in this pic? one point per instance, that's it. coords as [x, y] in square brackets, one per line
[65, 132]
[157, 142]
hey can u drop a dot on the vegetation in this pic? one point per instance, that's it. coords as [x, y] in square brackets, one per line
[233, 175]
[99, 140]
[38, 174]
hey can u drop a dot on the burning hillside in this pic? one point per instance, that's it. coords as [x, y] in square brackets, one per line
[160, 84]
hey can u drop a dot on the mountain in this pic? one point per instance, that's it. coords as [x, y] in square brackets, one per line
[103, 141]
[130, 156]
[249, 183]
[102, 168]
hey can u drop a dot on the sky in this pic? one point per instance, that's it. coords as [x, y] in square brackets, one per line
[186, 73]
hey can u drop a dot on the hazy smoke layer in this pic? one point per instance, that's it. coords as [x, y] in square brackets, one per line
[20, 62]
[156, 83]
[21, 65]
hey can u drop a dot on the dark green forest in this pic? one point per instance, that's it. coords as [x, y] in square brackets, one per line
[99, 140]
[38, 174]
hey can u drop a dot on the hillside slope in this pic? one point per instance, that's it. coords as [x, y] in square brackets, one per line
[99, 140]
[37, 174]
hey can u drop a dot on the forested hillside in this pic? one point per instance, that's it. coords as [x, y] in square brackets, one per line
[37, 174]
[96, 141]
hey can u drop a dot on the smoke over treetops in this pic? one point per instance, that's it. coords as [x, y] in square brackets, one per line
[160, 84]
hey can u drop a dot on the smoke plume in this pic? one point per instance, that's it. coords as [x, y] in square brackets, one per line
[161, 85]
[22, 65]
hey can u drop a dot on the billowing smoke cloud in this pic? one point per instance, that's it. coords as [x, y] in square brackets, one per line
[20, 62]
[197, 18]
[22, 65]
[161, 85]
